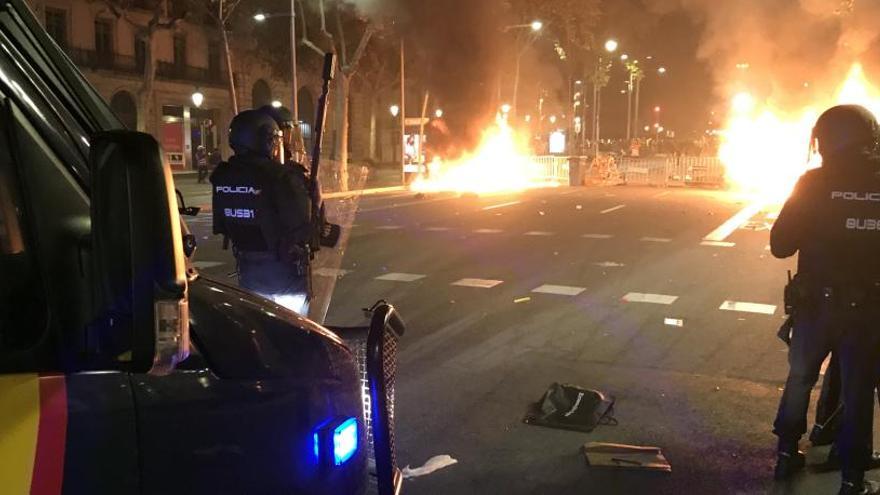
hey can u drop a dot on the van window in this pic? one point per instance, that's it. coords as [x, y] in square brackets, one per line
[23, 323]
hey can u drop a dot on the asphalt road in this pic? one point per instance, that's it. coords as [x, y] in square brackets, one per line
[608, 288]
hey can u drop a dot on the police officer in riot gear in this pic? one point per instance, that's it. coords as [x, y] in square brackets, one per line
[263, 209]
[832, 220]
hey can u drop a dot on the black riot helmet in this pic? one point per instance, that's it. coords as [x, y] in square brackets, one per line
[845, 128]
[281, 115]
[253, 132]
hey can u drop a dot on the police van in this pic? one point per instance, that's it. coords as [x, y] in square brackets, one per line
[122, 371]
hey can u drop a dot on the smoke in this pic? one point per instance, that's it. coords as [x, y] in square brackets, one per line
[787, 52]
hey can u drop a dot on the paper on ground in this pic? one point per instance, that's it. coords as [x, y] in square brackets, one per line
[434, 464]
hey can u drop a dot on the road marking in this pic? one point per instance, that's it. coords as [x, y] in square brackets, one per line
[608, 264]
[597, 236]
[613, 208]
[663, 194]
[539, 233]
[718, 243]
[502, 205]
[479, 283]
[733, 223]
[207, 264]
[747, 307]
[559, 290]
[331, 272]
[488, 231]
[655, 239]
[401, 277]
[673, 322]
[389, 227]
[438, 229]
[649, 298]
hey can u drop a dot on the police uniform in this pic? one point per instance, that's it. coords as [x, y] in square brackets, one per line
[832, 220]
[263, 209]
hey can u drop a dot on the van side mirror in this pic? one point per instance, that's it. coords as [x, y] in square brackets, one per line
[139, 270]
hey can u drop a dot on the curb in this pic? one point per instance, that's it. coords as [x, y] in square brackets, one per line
[363, 192]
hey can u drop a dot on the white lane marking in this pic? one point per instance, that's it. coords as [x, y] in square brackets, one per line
[733, 223]
[401, 277]
[207, 264]
[718, 243]
[608, 264]
[662, 194]
[539, 233]
[502, 205]
[597, 236]
[438, 229]
[331, 272]
[655, 239]
[747, 307]
[649, 298]
[613, 208]
[389, 227]
[673, 322]
[488, 231]
[559, 290]
[479, 283]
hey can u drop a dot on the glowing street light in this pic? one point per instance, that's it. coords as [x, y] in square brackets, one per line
[260, 17]
[198, 98]
[624, 57]
[611, 46]
[657, 109]
[276, 103]
[528, 118]
[395, 110]
[661, 70]
[438, 113]
[536, 25]
[578, 82]
[552, 119]
[505, 108]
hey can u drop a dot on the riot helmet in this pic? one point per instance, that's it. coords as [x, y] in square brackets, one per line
[253, 132]
[281, 115]
[845, 128]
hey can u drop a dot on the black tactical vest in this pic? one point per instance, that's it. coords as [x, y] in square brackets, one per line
[242, 204]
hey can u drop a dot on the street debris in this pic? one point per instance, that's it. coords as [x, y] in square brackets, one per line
[673, 322]
[433, 464]
[569, 407]
[522, 300]
[621, 456]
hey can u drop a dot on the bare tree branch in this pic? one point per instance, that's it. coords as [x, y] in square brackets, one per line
[343, 49]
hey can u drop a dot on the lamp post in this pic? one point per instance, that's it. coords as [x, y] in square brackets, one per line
[535, 26]
[261, 17]
[611, 46]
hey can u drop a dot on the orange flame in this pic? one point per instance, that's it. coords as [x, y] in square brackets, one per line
[765, 149]
[501, 163]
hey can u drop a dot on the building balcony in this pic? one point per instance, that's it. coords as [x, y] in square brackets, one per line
[188, 73]
[95, 60]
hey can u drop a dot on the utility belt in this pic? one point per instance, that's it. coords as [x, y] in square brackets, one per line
[804, 294]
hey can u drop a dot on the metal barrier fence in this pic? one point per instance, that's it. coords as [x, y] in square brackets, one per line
[552, 168]
[672, 170]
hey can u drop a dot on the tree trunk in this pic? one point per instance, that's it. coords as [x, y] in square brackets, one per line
[145, 93]
[374, 105]
[233, 98]
[342, 99]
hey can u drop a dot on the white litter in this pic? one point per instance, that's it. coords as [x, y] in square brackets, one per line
[434, 464]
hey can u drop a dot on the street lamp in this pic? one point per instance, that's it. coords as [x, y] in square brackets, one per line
[505, 108]
[536, 25]
[624, 57]
[276, 104]
[198, 98]
[395, 110]
[438, 113]
[611, 46]
[661, 70]
[261, 17]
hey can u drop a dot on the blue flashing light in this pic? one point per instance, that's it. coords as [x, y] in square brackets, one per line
[317, 446]
[345, 441]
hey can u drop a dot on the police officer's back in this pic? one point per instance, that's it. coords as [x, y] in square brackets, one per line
[832, 220]
[264, 210]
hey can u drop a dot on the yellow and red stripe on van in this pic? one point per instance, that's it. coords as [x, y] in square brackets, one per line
[33, 431]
